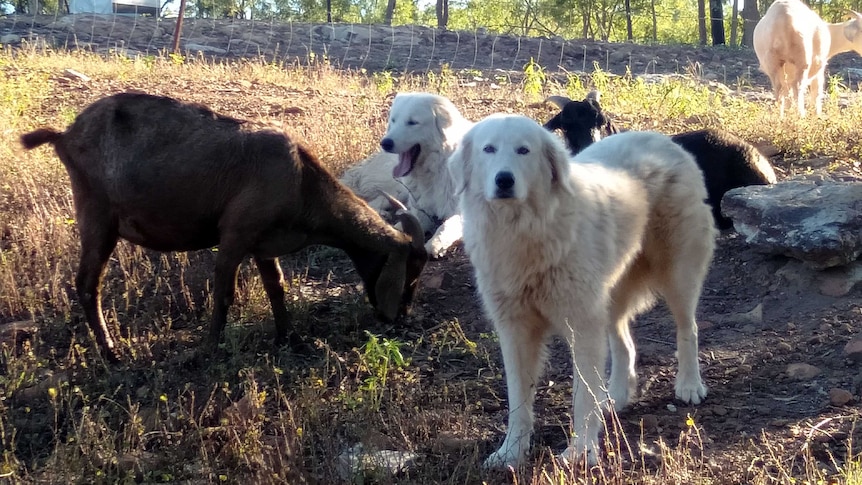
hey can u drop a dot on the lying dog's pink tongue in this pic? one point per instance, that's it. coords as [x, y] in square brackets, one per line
[405, 162]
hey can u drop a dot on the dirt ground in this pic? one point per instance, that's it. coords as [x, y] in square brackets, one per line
[744, 359]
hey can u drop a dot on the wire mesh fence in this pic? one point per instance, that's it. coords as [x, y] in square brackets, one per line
[372, 47]
[405, 48]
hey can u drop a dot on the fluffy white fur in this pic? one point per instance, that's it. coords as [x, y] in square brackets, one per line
[424, 129]
[578, 250]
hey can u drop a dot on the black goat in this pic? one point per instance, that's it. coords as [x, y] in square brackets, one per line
[726, 160]
[172, 176]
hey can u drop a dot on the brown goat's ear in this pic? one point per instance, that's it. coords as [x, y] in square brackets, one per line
[413, 228]
[390, 286]
[460, 166]
[415, 263]
[556, 155]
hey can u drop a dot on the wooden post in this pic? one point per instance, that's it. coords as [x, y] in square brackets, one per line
[178, 30]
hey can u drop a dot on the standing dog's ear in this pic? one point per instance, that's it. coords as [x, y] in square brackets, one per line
[555, 152]
[459, 164]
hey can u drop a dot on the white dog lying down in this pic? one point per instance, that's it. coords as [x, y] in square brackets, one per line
[424, 129]
[579, 249]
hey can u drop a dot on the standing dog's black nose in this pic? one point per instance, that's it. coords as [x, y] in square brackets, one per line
[504, 180]
[387, 145]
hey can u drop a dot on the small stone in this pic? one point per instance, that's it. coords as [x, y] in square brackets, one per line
[71, 73]
[449, 442]
[434, 281]
[11, 333]
[205, 49]
[853, 350]
[649, 422]
[802, 371]
[839, 397]
[836, 287]
[10, 39]
[719, 410]
[784, 346]
[353, 464]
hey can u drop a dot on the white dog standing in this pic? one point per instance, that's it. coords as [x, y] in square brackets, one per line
[424, 129]
[579, 249]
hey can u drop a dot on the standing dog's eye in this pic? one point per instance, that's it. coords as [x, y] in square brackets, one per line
[412, 122]
[522, 150]
[489, 149]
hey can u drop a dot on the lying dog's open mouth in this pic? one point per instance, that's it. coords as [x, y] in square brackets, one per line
[406, 161]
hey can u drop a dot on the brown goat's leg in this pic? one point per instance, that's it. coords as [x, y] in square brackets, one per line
[273, 283]
[224, 287]
[97, 243]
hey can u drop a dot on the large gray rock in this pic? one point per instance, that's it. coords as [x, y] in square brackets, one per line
[818, 222]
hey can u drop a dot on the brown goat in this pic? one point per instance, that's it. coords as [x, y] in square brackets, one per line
[173, 176]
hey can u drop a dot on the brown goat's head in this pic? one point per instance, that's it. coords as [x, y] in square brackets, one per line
[402, 274]
[392, 280]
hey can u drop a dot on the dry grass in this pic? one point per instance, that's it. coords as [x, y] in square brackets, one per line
[257, 414]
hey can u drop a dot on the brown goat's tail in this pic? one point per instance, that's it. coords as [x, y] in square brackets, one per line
[40, 137]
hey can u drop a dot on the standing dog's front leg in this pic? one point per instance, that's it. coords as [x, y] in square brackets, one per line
[522, 343]
[589, 392]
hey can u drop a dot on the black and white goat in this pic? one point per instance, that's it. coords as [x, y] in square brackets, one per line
[726, 160]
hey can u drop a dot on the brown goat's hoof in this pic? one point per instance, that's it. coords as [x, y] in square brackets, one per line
[292, 340]
[111, 355]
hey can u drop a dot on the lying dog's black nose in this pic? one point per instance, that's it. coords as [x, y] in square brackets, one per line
[387, 144]
[504, 180]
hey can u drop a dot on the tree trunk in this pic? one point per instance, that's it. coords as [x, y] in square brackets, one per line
[34, 7]
[716, 14]
[750, 17]
[629, 35]
[329, 11]
[654, 21]
[734, 22]
[390, 11]
[585, 32]
[442, 14]
[178, 28]
[701, 21]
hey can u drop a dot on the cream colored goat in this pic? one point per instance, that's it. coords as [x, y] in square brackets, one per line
[793, 45]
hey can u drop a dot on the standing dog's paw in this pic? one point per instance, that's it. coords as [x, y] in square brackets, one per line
[501, 459]
[577, 455]
[690, 391]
